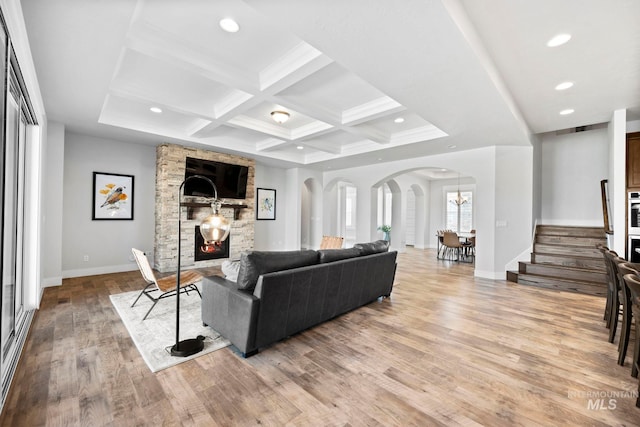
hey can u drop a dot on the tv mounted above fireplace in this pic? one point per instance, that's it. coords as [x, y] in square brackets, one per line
[230, 180]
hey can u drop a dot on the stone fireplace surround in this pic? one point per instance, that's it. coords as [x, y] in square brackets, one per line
[170, 168]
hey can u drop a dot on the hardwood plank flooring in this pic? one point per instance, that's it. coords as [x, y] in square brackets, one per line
[445, 349]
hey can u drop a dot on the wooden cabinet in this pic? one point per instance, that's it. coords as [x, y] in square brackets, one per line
[633, 161]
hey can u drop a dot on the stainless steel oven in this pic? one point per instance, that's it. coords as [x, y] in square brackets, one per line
[633, 214]
[634, 243]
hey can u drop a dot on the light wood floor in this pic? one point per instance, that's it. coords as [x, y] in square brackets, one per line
[445, 349]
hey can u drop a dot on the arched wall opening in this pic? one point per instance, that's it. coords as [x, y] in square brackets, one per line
[310, 214]
[386, 203]
[340, 210]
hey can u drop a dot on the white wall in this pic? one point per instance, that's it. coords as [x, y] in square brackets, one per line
[618, 179]
[572, 167]
[270, 235]
[537, 179]
[513, 204]
[107, 243]
[52, 201]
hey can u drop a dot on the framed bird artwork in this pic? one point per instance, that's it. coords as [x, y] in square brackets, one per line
[112, 196]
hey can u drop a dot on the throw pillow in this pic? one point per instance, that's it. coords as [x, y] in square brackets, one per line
[372, 247]
[230, 269]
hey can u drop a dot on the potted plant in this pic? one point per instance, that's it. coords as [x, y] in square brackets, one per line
[386, 229]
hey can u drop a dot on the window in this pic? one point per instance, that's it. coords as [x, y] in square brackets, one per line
[385, 204]
[347, 198]
[459, 218]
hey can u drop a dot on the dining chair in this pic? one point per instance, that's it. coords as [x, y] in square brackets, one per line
[451, 241]
[470, 244]
[441, 247]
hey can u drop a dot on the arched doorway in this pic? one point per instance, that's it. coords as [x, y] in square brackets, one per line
[310, 214]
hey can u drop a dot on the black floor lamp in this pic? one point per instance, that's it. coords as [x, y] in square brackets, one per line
[214, 229]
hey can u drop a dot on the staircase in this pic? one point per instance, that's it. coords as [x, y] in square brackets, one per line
[565, 258]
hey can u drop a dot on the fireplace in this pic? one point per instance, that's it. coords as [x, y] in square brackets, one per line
[216, 252]
[170, 172]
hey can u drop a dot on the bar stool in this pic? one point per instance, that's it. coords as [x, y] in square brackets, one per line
[633, 282]
[613, 290]
[603, 249]
[625, 268]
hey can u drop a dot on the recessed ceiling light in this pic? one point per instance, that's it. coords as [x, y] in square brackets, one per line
[558, 40]
[564, 85]
[399, 120]
[443, 170]
[300, 147]
[156, 110]
[567, 111]
[229, 25]
[452, 146]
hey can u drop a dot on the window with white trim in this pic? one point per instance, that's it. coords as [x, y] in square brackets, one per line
[459, 211]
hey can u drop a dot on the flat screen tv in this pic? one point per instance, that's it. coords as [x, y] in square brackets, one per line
[230, 180]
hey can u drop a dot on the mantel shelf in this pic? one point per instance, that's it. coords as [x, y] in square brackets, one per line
[193, 205]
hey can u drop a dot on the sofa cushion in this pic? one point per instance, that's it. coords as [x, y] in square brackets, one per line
[255, 263]
[372, 247]
[330, 255]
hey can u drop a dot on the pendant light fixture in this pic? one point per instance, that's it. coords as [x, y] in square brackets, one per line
[459, 200]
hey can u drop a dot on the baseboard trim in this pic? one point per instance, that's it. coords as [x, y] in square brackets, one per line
[493, 275]
[67, 274]
[51, 281]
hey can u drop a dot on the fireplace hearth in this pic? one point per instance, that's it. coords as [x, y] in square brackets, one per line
[210, 251]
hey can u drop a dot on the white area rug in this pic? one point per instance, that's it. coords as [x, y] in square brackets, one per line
[155, 336]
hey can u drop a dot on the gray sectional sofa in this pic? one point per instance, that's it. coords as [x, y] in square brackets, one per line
[280, 293]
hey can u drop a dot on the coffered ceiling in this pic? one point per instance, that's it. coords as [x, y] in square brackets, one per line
[363, 81]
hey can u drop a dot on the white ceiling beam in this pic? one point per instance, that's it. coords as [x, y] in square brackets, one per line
[371, 110]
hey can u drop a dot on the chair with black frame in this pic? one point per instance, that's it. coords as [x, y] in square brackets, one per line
[603, 249]
[633, 283]
[611, 258]
[166, 286]
[470, 244]
[625, 268]
[440, 236]
[451, 242]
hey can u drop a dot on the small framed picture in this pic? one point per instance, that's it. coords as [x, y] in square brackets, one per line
[266, 203]
[112, 196]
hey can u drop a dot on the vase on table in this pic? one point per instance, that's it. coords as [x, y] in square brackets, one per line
[387, 236]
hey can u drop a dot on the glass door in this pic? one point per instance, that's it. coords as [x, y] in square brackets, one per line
[12, 218]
